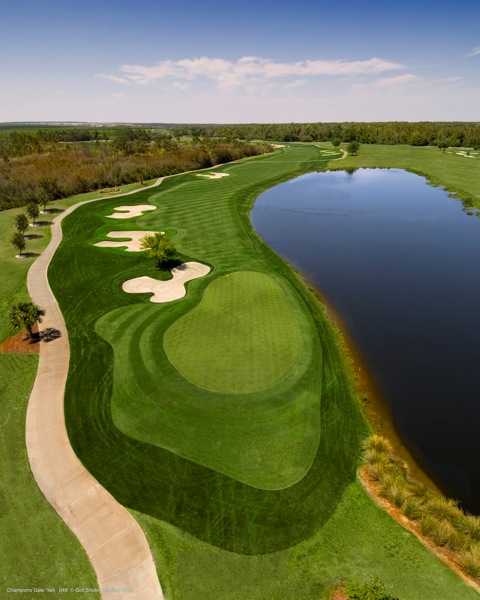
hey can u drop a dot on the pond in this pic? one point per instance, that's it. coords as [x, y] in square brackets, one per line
[397, 259]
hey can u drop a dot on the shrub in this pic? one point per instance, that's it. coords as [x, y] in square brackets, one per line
[442, 532]
[396, 493]
[428, 524]
[371, 590]
[444, 508]
[470, 525]
[378, 443]
[470, 561]
[377, 470]
[413, 508]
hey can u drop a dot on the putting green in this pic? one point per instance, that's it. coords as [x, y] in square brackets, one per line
[247, 334]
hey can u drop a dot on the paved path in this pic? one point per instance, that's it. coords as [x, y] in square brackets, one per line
[113, 540]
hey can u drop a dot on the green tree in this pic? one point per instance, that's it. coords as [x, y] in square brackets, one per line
[32, 211]
[353, 148]
[336, 143]
[21, 223]
[18, 241]
[25, 314]
[160, 248]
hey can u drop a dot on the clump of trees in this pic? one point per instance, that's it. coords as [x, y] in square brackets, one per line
[132, 156]
[159, 247]
[432, 515]
[353, 148]
[18, 238]
[26, 315]
[417, 134]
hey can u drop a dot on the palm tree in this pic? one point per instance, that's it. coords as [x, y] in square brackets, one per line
[160, 248]
[25, 314]
[21, 222]
[18, 241]
[32, 211]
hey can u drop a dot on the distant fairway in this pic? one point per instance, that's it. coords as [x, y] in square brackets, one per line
[246, 334]
[246, 487]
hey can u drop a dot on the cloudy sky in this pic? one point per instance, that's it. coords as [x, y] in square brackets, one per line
[157, 61]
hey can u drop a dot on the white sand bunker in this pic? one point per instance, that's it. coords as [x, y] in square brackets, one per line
[128, 212]
[278, 145]
[133, 243]
[213, 175]
[172, 289]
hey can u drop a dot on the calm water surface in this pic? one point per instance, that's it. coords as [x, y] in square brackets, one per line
[400, 262]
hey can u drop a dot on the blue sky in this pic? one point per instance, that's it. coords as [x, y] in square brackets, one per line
[237, 62]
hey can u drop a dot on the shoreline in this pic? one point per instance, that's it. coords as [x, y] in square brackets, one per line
[371, 399]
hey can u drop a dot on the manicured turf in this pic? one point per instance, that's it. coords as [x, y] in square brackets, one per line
[244, 336]
[37, 549]
[14, 270]
[213, 535]
[456, 173]
[269, 443]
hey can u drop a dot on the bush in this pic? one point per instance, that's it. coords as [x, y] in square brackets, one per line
[428, 524]
[372, 590]
[378, 443]
[470, 525]
[413, 508]
[470, 561]
[394, 491]
[444, 508]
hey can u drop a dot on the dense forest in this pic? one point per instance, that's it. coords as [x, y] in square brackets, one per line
[51, 161]
[38, 167]
[415, 134]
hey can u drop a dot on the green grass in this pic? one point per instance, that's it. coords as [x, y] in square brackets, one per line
[14, 270]
[246, 335]
[255, 321]
[456, 173]
[213, 535]
[37, 549]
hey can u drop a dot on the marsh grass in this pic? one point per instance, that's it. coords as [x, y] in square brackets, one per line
[439, 519]
[470, 561]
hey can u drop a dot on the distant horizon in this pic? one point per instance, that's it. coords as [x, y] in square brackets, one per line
[231, 123]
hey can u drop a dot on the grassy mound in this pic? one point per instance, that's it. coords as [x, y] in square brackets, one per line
[246, 334]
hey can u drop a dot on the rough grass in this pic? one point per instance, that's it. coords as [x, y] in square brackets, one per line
[37, 549]
[212, 535]
[246, 334]
[439, 519]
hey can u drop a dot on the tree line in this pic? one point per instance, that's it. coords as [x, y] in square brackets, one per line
[415, 134]
[76, 168]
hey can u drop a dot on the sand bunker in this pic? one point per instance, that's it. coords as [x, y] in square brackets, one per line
[128, 212]
[465, 155]
[278, 145]
[213, 175]
[132, 244]
[172, 289]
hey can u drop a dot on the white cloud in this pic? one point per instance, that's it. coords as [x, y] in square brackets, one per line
[114, 78]
[395, 81]
[230, 73]
[474, 52]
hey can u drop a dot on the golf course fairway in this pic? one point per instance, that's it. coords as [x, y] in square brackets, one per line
[226, 420]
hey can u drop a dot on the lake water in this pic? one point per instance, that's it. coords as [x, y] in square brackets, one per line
[399, 261]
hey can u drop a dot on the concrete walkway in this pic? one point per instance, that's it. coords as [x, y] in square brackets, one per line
[114, 542]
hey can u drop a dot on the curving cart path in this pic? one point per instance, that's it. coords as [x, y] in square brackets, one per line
[113, 540]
